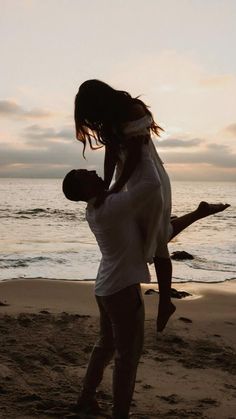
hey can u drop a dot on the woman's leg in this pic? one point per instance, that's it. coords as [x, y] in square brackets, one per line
[166, 308]
[163, 267]
[203, 210]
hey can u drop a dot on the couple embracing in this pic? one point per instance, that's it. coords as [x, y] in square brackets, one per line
[132, 223]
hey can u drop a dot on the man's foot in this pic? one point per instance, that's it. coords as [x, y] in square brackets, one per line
[163, 316]
[87, 406]
[204, 208]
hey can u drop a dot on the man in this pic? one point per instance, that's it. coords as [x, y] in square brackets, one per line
[117, 287]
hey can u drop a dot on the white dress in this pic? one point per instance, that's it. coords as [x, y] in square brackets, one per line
[154, 222]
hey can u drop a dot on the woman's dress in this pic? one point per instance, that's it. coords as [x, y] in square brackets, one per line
[154, 222]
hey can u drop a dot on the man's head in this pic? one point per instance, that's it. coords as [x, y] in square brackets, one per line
[82, 185]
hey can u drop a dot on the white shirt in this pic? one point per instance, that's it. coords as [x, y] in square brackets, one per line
[117, 233]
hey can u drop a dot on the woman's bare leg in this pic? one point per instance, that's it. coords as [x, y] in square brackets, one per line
[203, 210]
[166, 308]
[163, 267]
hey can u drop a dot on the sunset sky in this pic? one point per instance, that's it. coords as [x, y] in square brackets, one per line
[179, 55]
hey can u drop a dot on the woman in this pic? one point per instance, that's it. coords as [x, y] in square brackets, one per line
[112, 118]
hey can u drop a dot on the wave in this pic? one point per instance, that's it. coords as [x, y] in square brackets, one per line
[176, 280]
[42, 212]
[206, 265]
[10, 263]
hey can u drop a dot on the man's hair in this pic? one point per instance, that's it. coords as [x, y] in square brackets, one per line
[71, 187]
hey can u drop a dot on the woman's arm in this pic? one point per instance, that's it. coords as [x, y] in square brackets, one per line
[109, 165]
[133, 156]
[134, 152]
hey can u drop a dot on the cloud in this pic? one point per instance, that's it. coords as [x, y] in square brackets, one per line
[214, 81]
[180, 90]
[53, 158]
[213, 154]
[231, 129]
[36, 132]
[49, 152]
[175, 142]
[48, 159]
[12, 109]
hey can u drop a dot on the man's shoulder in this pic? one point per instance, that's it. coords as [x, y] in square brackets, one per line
[115, 199]
[115, 202]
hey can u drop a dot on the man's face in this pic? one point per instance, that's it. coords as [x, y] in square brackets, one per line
[92, 184]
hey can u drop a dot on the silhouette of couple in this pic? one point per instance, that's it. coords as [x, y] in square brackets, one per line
[132, 223]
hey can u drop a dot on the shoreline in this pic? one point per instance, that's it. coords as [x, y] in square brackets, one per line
[30, 295]
[93, 280]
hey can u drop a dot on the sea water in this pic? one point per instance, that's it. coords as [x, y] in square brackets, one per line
[43, 235]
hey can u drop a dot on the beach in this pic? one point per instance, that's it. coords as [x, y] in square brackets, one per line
[48, 328]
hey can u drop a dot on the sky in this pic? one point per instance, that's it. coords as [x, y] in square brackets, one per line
[179, 55]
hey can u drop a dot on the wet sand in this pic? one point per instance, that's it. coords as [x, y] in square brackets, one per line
[47, 330]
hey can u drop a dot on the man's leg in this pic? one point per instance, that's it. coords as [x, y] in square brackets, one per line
[126, 310]
[100, 357]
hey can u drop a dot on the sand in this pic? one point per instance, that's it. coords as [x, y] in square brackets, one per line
[48, 328]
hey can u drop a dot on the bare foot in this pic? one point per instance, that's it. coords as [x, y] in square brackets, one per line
[163, 316]
[204, 208]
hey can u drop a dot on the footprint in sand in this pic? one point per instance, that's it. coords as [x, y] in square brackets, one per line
[3, 304]
[147, 386]
[171, 399]
[185, 320]
[230, 386]
[209, 401]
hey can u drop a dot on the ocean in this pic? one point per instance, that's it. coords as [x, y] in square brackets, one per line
[43, 235]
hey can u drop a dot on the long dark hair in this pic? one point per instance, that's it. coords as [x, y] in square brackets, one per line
[99, 112]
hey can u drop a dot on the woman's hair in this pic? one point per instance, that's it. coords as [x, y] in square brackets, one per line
[99, 112]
